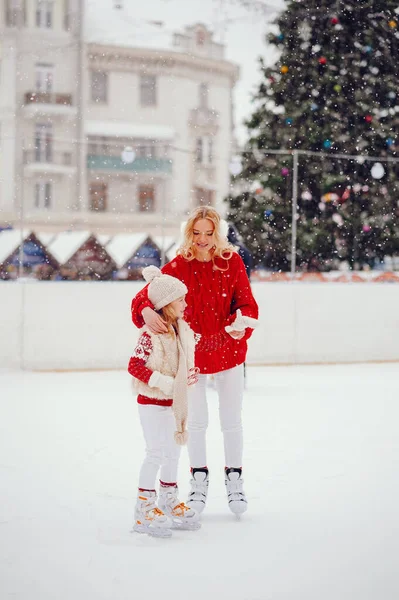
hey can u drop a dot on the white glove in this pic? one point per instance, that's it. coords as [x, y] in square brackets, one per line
[162, 382]
[240, 323]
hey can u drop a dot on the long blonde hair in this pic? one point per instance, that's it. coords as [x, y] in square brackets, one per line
[169, 315]
[221, 249]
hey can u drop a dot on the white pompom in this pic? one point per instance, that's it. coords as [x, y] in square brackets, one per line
[149, 273]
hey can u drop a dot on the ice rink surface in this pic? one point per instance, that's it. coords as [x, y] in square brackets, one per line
[321, 470]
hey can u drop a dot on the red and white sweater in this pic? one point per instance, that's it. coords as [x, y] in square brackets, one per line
[212, 300]
[151, 350]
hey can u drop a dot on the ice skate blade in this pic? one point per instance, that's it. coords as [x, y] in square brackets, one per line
[153, 531]
[186, 526]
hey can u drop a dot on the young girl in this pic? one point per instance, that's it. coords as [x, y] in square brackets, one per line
[163, 367]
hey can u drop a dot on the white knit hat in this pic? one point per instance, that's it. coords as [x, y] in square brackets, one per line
[163, 289]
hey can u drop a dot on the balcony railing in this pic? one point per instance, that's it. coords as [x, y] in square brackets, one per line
[139, 165]
[48, 98]
[47, 156]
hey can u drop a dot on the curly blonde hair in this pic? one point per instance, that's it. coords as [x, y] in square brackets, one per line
[221, 248]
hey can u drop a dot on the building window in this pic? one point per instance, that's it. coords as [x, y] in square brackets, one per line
[203, 197]
[99, 86]
[15, 13]
[67, 15]
[44, 78]
[148, 90]
[98, 193]
[43, 142]
[146, 198]
[204, 150]
[43, 194]
[200, 37]
[44, 13]
[203, 95]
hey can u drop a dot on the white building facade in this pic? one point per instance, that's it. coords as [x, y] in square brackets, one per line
[104, 133]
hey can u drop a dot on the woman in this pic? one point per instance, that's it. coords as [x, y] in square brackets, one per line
[218, 287]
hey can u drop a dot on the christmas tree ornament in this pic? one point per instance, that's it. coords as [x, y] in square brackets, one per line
[306, 195]
[392, 24]
[392, 95]
[327, 143]
[284, 69]
[267, 213]
[288, 121]
[322, 206]
[334, 21]
[314, 106]
[368, 118]
[365, 188]
[377, 171]
[390, 142]
[280, 37]
[367, 49]
[346, 195]
[329, 197]
[366, 228]
[285, 172]
[322, 60]
[337, 87]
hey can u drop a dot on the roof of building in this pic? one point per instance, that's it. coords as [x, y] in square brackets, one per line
[10, 239]
[65, 244]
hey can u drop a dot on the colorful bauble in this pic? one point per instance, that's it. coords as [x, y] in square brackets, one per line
[368, 118]
[322, 60]
[284, 69]
[327, 143]
[314, 106]
[329, 197]
[267, 213]
[392, 24]
[288, 121]
[285, 172]
[334, 21]
[337, 87]
[366, 228]
[390, 142]
[280, 37]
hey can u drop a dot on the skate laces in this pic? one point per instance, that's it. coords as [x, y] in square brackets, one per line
[180, 509]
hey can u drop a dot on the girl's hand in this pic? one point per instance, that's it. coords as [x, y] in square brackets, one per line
[237, 335]
[192, 376]
[154, 321]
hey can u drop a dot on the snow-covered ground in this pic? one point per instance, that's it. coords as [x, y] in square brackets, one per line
[321, 472]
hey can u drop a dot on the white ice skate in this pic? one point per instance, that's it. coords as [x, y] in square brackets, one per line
[199, 489]
[148, 518]
[235, 494]
[182, 516]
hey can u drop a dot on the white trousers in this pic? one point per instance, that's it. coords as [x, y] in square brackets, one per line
[230, 387]
[161, 450]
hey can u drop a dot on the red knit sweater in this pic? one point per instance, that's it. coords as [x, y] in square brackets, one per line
[212, 299]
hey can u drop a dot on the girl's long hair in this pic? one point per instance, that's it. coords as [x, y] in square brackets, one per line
[221, 249]
[168, 314]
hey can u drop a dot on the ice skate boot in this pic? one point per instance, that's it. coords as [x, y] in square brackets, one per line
[148, 518]
[181, 515]
[235, 494]
[199, 489]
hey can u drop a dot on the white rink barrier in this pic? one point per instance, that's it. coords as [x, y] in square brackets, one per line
[87, 325]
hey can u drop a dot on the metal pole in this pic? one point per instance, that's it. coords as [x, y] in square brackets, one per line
[294, 210]
[79, 101]
[163, 224]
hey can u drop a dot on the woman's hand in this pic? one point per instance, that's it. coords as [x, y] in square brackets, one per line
[154, 321]
[237, 335]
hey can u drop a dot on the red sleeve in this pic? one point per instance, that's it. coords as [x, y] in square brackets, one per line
[141, 300]
[242, 296]
[212, 342]
[137, 363]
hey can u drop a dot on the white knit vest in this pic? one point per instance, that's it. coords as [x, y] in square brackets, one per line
[164, 357]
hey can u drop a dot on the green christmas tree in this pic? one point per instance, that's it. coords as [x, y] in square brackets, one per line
[334, 91]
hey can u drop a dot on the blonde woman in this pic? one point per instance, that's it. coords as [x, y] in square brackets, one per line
[219, 296]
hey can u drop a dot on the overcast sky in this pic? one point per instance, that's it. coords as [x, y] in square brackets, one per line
[241, 29]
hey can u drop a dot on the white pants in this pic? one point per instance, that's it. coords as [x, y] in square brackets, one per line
[230, 386]
[161, 452]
